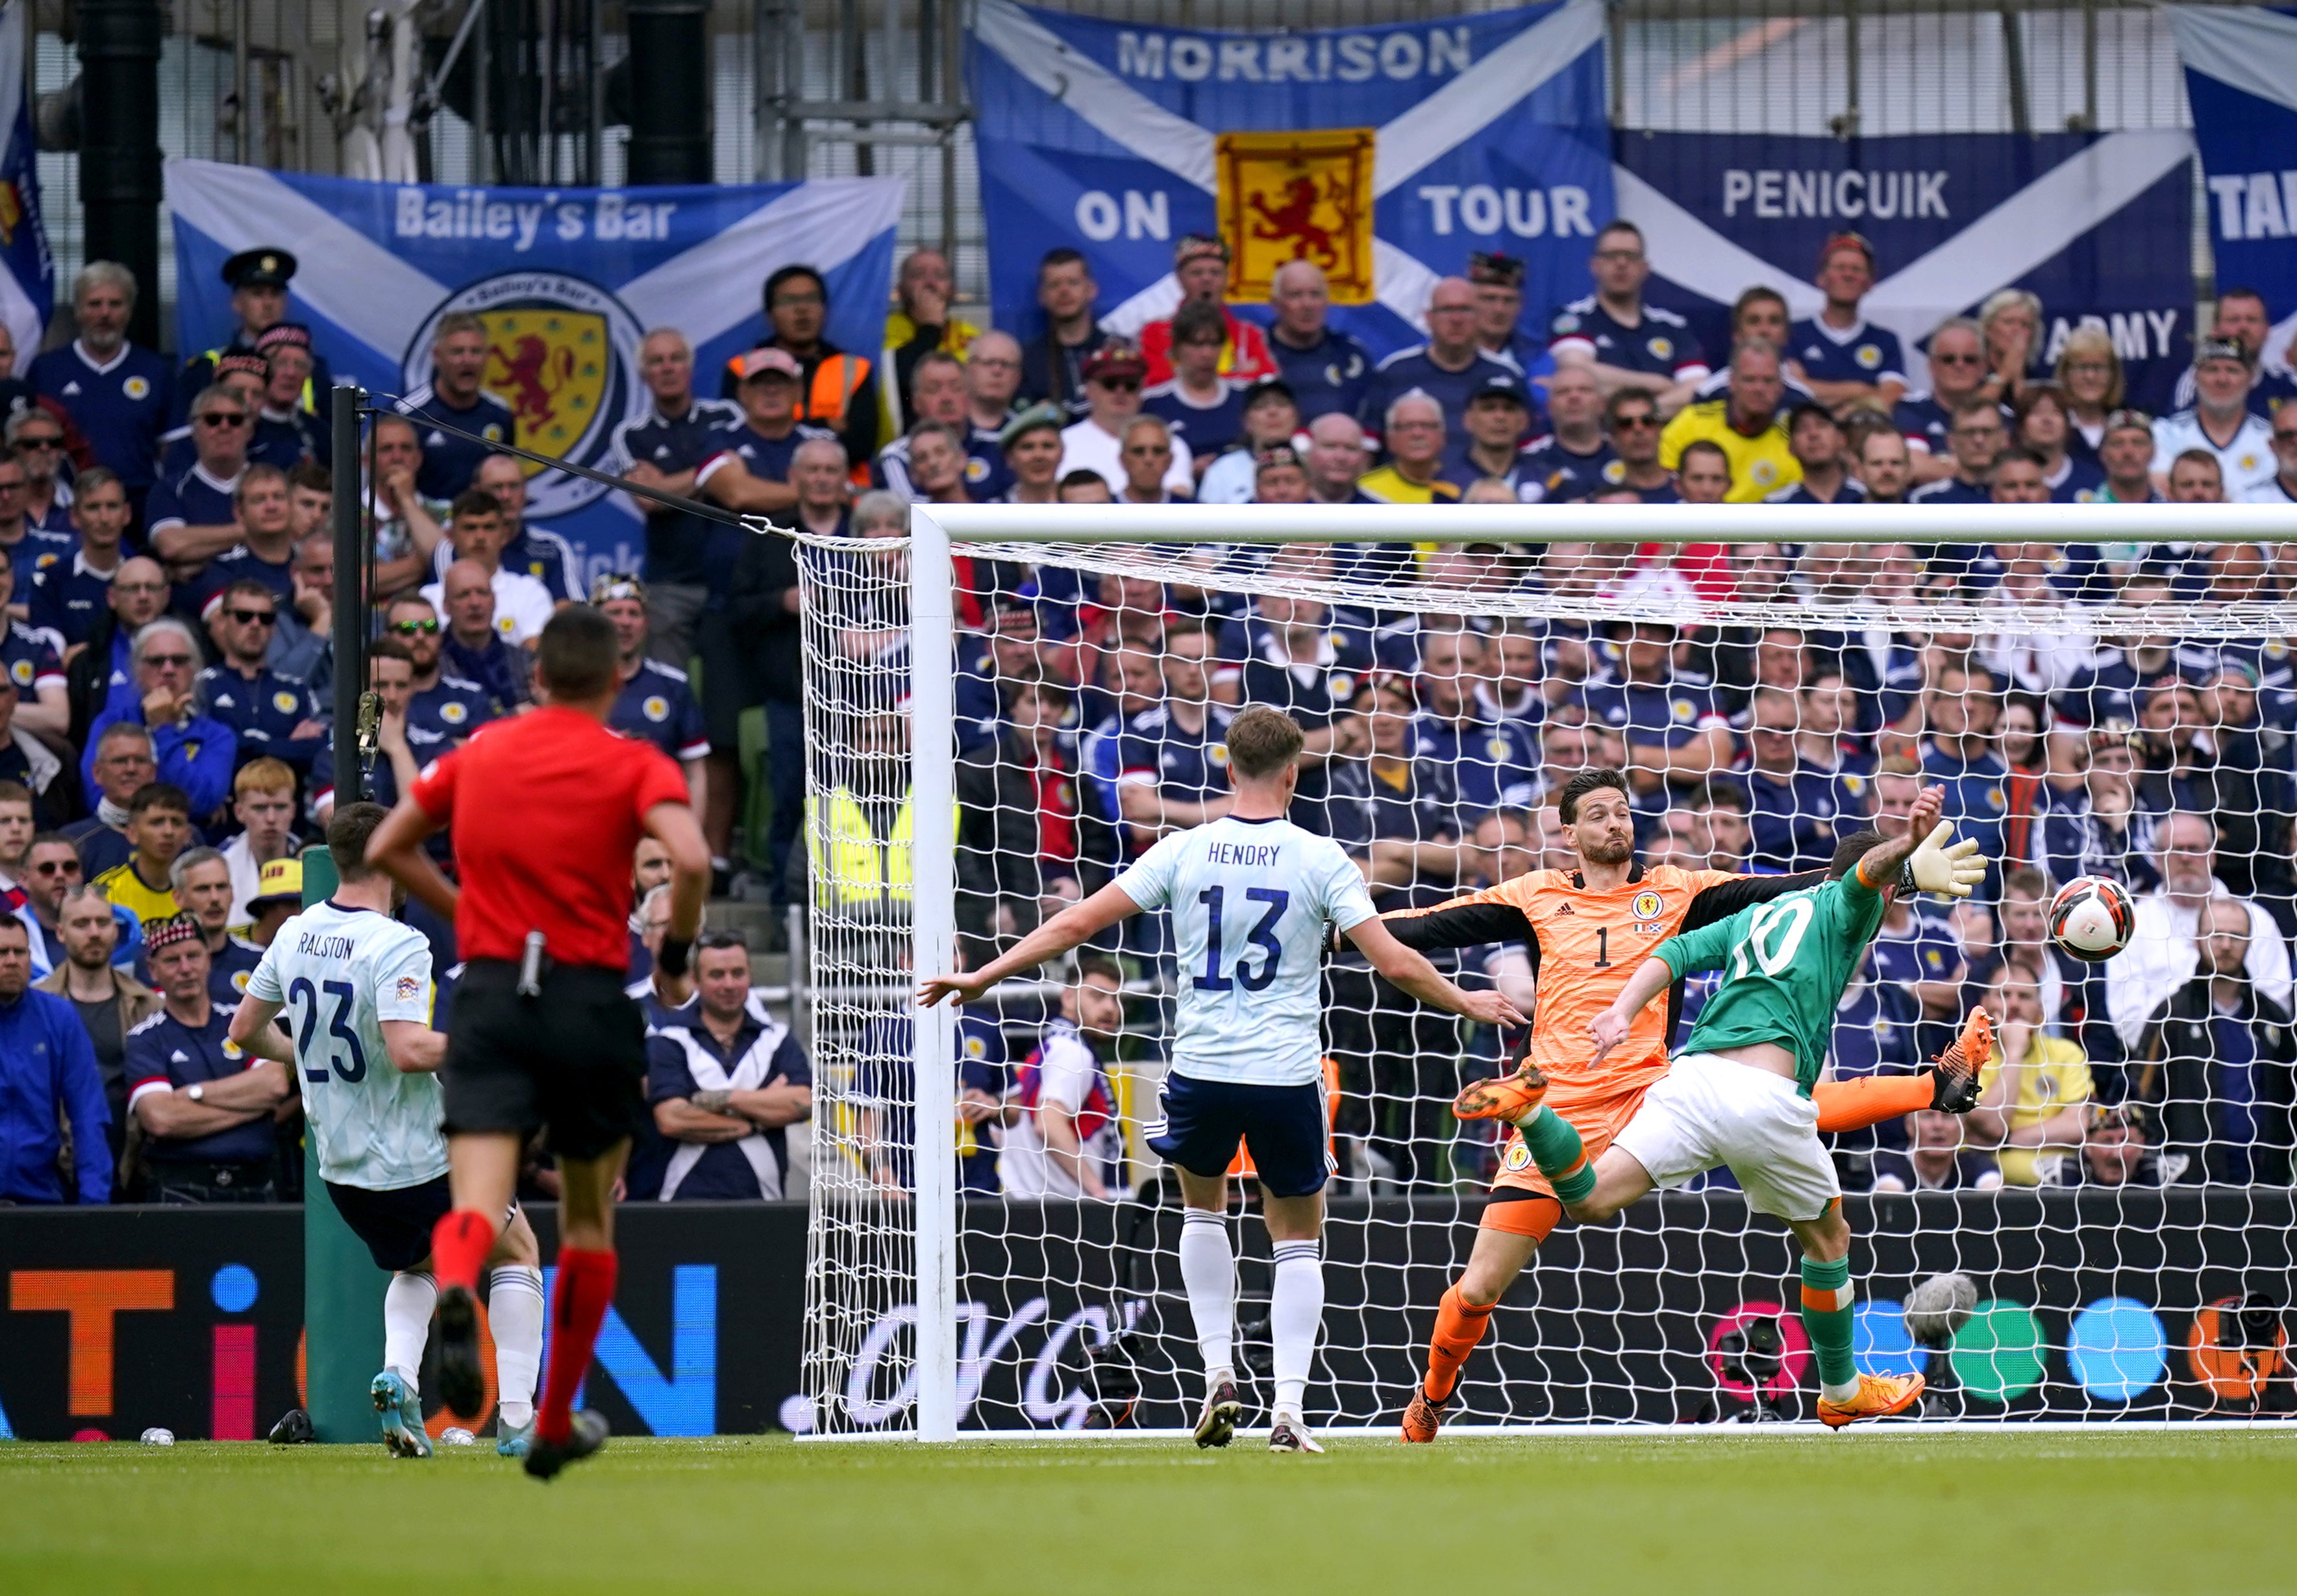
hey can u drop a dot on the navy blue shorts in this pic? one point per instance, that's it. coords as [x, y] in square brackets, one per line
[1288, 1128]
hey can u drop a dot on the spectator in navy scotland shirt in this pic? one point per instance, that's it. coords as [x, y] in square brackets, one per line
[666, 450]
[530, 550]
[1327, 370]
[47, 1077]
[726, 1080]
[453, 395]
[264, 553]
[117, 394]
[205, 1106]
[28, 548]
[267, 712]
[69, 597]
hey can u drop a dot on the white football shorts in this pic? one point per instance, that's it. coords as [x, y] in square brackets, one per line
[1708, 1111]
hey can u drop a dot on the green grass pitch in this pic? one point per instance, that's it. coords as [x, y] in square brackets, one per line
[1939, 1514]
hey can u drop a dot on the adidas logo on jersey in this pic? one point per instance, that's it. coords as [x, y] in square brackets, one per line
[1566, 909]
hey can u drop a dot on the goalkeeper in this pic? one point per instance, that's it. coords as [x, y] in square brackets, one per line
[1740, 1093]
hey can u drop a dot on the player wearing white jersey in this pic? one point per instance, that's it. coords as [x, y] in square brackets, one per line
[355, 986]
[1254, 901]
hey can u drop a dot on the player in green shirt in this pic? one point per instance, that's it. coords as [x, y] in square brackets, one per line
[1738, 1094]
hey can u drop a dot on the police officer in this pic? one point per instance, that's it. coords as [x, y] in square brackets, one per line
[258, 279]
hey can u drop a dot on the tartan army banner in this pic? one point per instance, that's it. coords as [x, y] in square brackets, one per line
[1383, 154]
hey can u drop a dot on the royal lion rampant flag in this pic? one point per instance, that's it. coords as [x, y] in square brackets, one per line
[567, 280]
[1386, 155]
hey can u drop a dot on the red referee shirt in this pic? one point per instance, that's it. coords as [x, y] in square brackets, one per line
[547, 811]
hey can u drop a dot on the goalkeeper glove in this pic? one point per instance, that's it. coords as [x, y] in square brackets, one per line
[1950, 869]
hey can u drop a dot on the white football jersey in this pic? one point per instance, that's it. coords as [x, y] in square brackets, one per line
[341, 972]
[1253, 903]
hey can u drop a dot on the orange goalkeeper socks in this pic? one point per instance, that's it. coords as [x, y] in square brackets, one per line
[1459, 1325]
[1869, 1100]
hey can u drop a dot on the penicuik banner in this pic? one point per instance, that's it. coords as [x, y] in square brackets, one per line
[568, 281]
[1385, 155]
[2098, 226]
[2240, 80]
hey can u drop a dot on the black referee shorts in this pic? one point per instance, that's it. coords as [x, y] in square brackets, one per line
[572, 1059]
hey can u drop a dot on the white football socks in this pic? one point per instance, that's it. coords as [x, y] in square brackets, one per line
[1208, 1272]
[407, 1304]
[514, 1309]
[1296, 1313]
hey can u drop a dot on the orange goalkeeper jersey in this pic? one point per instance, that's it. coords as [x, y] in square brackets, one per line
[1583, 945]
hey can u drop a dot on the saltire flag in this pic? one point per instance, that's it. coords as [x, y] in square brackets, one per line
[2097, 226]
[1383, 154]
[568, 281]
[27, 272]
[2240, 80]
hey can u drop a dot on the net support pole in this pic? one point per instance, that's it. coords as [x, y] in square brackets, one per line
[932, 930]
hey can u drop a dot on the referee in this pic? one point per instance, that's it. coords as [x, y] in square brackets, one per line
[546, 811]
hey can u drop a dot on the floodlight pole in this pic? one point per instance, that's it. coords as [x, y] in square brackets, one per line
[351, 597]
[933, 933]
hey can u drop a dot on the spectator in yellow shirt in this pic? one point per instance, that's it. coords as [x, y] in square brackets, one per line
[158, 827]
[1414, 435]
[2033, 1098]
[1744, 423]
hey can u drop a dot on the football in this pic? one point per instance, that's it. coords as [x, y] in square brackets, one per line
[2092, 917]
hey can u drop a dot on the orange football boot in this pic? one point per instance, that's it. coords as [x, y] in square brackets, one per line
[1507, 1097]
[1880, 1396]
[1954, 1088]
[1422, 1417]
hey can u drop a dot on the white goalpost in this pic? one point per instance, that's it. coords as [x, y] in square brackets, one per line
[1005, 703]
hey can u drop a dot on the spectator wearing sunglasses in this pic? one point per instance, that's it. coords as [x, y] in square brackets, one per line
[39, 443]
[194, 516]
[268, 712]
[1957, 362]
[194, 750]
[1112, 376]
[444, 707]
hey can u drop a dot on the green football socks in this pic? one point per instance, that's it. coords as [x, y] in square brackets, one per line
[1556, 1149]
[1826, 1301]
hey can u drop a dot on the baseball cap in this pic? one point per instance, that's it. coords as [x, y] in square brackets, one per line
[1275, 456]
[1490, 266]
[280, 878]
[615, 585]
[2119, 419]
[1114, 359]
[2219, 349]
[1500, 385]
[1266, 386]
[766, 362]
[1036, 419]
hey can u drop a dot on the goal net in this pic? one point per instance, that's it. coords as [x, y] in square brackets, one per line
[1005, 704]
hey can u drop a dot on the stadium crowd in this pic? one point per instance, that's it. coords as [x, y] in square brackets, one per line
[165, 742]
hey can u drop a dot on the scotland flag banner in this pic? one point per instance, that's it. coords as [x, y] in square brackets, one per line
[1385, 155]
[27, 272]
[2099, 226]
[568, 281]
[2241, 79]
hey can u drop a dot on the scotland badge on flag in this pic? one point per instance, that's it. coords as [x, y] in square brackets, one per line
[1386, 155]
[568, 281]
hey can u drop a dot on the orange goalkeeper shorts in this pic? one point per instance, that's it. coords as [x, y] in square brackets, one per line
[1599, 1111]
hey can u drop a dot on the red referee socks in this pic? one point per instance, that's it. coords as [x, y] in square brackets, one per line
[459, 1245]
[585, 1291]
